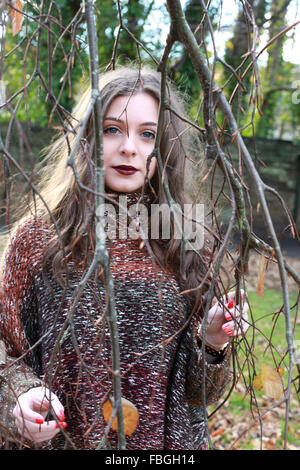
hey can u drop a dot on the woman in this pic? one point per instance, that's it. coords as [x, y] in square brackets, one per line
[159, 329]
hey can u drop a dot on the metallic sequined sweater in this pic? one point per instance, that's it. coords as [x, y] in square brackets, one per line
[161, 364]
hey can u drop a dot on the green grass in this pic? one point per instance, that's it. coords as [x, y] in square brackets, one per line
[267, 344]
[268, 333]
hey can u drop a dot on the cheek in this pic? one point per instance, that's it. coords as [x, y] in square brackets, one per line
[109, 149]
[105, 152]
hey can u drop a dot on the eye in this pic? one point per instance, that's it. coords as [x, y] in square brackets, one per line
[111, 130]
[148, 135]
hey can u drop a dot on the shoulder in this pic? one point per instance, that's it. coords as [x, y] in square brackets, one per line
[32, 229]
[28, 240]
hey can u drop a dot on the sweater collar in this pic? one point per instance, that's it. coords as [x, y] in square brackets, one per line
[118, 221]
[137, 197]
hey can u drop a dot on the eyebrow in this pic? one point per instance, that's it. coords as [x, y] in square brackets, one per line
[111, 118]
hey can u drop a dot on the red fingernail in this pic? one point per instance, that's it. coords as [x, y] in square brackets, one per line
[226, 327]
[228, 316]
[63, 424]
[231, 304]
[229, 333]
[39, 421]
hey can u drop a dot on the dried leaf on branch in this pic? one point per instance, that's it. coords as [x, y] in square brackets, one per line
[16, 16]
[270, 381]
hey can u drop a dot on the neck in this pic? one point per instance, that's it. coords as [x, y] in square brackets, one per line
[123, 213]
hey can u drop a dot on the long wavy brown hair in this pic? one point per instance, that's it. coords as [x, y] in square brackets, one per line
[72, 206]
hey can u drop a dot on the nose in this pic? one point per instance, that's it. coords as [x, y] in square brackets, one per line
[128, 146]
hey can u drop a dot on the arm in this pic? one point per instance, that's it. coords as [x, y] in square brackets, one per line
[16, 378]
[224, 320]
[19, 374]
[217, 376]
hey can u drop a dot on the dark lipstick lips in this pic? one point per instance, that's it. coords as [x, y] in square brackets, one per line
[125, 169]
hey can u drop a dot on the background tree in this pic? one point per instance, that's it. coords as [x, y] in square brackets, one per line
[277, 75]
[236, 48]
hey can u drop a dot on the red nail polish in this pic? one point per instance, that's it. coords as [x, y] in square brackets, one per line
[231, 304]
[39, 421]
[62, 424]
[62, 416]
[228, 316]
[229, 333]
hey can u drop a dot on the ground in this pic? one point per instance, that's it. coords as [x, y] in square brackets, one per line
[235, 426]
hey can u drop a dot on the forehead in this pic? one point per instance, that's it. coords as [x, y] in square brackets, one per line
[136, 105]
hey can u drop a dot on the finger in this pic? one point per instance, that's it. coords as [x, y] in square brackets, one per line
[241, 329]
[34, 428]
[230, 300]
[227, 298]
[43, 431]
[235, 311]
[243, 323]
[226, 303]
[25, 413]
[236, 327]
[228, 328]
[57, 407]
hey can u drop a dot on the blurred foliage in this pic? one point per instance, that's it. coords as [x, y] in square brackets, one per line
[134, 15]
[31, 58]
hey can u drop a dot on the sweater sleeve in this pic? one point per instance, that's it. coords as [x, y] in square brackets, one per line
[19, 323]
[203, 377]
[15, 378]
[19, 332]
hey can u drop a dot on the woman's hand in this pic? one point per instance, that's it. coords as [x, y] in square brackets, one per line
[30, 413]
[225, 319]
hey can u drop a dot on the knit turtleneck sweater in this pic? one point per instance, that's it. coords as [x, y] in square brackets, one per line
[161, 365]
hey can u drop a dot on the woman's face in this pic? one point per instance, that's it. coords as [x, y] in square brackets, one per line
[129, 130]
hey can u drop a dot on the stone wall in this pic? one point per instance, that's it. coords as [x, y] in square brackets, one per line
[281, 172]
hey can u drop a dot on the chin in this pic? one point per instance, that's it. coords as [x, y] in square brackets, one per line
[124, 188]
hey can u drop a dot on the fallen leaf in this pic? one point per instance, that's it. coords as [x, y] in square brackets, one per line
[218, 432]
[271, 445]
[130, 415]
